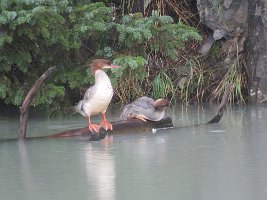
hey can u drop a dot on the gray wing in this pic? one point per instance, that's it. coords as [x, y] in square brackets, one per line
[89, 93]
[143, 101]
[142, 106]
[87, 96]
[128, 111]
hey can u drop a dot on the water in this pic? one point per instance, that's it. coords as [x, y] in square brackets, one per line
[225, 161]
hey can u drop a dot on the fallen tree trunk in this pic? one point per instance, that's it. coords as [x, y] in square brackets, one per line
[138, 125]
[122, 126]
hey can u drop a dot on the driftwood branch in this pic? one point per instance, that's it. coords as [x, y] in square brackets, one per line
[222, 105]
[24, 109]
[215, 119]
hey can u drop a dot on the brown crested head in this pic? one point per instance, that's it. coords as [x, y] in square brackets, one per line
[161, 103]
[99, 64]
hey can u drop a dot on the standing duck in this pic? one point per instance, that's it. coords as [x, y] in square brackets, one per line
[97, 98]
[145, 109]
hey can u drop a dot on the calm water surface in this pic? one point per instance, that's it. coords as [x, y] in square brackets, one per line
[225, 161]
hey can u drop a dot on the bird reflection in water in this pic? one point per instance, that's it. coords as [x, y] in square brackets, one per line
[100, 169]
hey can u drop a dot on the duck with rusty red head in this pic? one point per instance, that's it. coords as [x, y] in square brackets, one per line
[145, 108]
[97, 98]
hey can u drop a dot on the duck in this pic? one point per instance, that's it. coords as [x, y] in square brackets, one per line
[97, 98]
[145, 108]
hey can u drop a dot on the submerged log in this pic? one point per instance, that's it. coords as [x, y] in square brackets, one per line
[122, 126]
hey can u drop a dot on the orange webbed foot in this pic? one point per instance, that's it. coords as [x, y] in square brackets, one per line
[106, 125]
[94, 128]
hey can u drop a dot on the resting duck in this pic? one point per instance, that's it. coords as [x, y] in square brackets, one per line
[145, 109]
[97, 98]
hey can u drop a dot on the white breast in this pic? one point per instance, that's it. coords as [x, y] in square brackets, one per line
[102, 96]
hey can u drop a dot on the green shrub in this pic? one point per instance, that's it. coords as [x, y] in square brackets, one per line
[36, 34]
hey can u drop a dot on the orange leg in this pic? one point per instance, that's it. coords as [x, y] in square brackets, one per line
[104, 122]
[93, 127]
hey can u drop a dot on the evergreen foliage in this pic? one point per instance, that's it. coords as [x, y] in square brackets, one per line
[36, 34]
[143, 36]
[157, 34]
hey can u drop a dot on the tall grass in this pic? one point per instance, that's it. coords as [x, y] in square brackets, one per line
[194, 87]
[162, 86]
[190, 78]
[196, 82]
[236, 77]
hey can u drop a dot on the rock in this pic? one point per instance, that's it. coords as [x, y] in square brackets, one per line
[243, 25]
[227, 19]
[227, 3]
[256, 50]
[206, 45]
[219, 34]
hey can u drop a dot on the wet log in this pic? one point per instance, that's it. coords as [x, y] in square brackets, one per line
[222, 106]
[119, 127]
[24, 109]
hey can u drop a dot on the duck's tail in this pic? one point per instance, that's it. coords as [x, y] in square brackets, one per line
[79, 108]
